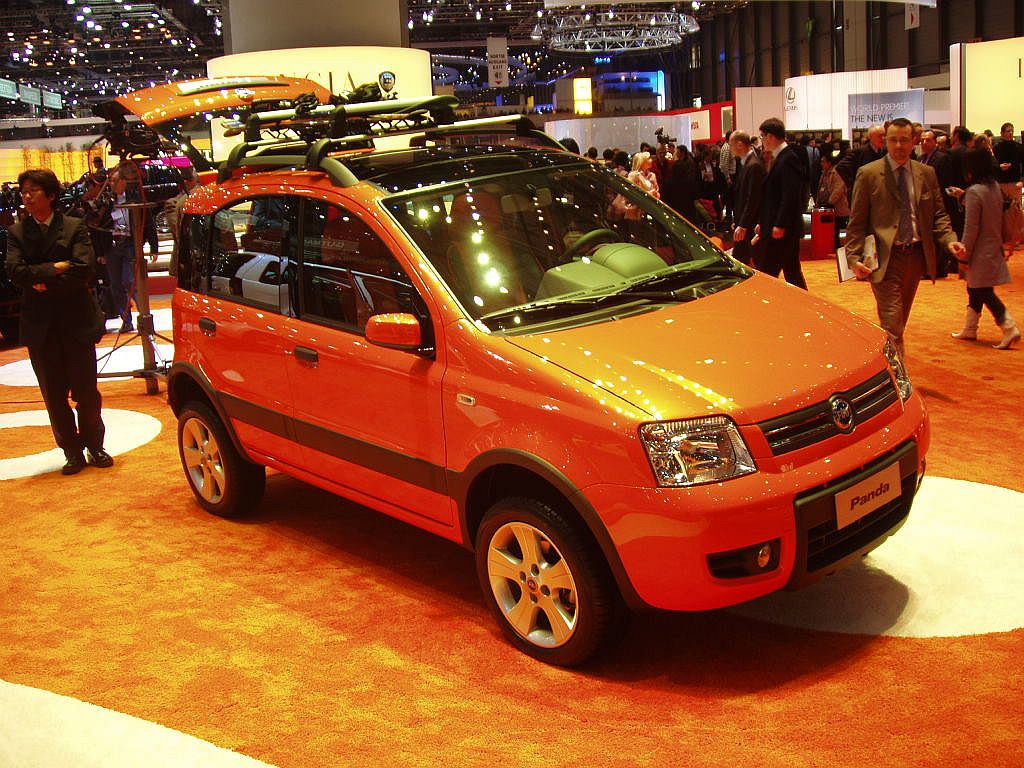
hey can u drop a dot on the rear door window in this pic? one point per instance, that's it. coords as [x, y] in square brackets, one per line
[252, 252]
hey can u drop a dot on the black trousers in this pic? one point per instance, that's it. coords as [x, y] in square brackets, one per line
[67, 367]
[977, 298]
[782, 255]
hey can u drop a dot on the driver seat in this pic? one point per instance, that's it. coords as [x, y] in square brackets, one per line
[480, 262]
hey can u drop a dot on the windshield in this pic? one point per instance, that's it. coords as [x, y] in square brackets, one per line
[554, 238]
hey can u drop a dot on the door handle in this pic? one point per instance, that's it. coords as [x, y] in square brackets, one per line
[207, 326]
[307, 355]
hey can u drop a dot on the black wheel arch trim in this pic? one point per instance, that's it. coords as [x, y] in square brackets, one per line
[459, 484]
[186, 370]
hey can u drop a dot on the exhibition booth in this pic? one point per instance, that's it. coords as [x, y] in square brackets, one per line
[555, 445]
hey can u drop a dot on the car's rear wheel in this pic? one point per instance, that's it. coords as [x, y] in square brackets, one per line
[546, 582]
[223, 482]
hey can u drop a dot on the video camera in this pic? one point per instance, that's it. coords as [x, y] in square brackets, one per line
[659, 134]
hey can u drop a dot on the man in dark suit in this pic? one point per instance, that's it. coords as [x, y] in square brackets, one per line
[898, 200]
[50, 257]
[930, 152]
[783, 202]
[952, 173]
[747, 190]
[857, 158]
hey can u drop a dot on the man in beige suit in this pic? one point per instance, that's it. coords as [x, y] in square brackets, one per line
[898, 200]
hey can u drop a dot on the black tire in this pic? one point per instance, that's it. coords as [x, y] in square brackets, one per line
[223, 482]
[562, 625]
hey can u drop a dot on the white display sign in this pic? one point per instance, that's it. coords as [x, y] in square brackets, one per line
[700, 124]
[912, 16]
[497, 62]
[755, 105]
[867, 109]
[986, 82]
[628, 132]
[821, 102]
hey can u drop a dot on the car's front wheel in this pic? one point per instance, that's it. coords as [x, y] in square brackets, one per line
[223, 482]
[546, 582]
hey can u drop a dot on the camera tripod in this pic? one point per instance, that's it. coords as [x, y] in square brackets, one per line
[146, 334]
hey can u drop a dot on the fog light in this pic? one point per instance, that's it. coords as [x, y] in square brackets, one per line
[754, 560]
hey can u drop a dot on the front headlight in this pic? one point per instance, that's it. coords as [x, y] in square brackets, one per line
[899, 369]
[694, 451]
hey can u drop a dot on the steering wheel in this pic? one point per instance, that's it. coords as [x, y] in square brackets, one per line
[589, 239]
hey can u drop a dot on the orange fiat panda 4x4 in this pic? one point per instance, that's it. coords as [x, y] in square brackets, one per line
[463, 334]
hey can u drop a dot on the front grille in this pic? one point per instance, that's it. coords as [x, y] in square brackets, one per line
[815, 423]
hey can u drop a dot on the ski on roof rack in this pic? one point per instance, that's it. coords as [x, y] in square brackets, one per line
[329, 121]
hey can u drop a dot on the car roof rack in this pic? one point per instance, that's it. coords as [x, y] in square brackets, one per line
[325, 129]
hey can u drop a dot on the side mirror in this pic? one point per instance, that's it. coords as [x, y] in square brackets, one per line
[395, 330]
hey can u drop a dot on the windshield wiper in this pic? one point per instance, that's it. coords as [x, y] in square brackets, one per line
[685, 276]
[641, 289]
[547, 306]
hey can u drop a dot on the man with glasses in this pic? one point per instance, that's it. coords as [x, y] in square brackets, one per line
[898, 200]
[1010, 161]
[50, 257]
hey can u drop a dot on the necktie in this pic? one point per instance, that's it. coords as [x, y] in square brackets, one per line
[906, 229]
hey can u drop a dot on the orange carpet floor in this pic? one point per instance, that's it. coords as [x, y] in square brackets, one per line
[322, 633]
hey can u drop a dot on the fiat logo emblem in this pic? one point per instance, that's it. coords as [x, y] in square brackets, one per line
[842, 413]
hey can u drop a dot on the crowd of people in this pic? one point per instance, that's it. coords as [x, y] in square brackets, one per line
[936, 204]
[919, 205]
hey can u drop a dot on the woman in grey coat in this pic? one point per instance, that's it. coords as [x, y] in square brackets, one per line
[986, 262]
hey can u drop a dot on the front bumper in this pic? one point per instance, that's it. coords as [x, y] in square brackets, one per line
[670, 541]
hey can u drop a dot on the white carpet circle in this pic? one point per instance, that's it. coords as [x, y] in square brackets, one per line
[955, 568]
[44, 729]
[126, 431]
[163, 321]
[124, 359]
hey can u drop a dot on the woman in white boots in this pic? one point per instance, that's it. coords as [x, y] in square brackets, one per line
[986, 261]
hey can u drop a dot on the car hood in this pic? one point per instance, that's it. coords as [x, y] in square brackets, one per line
[753, 351]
